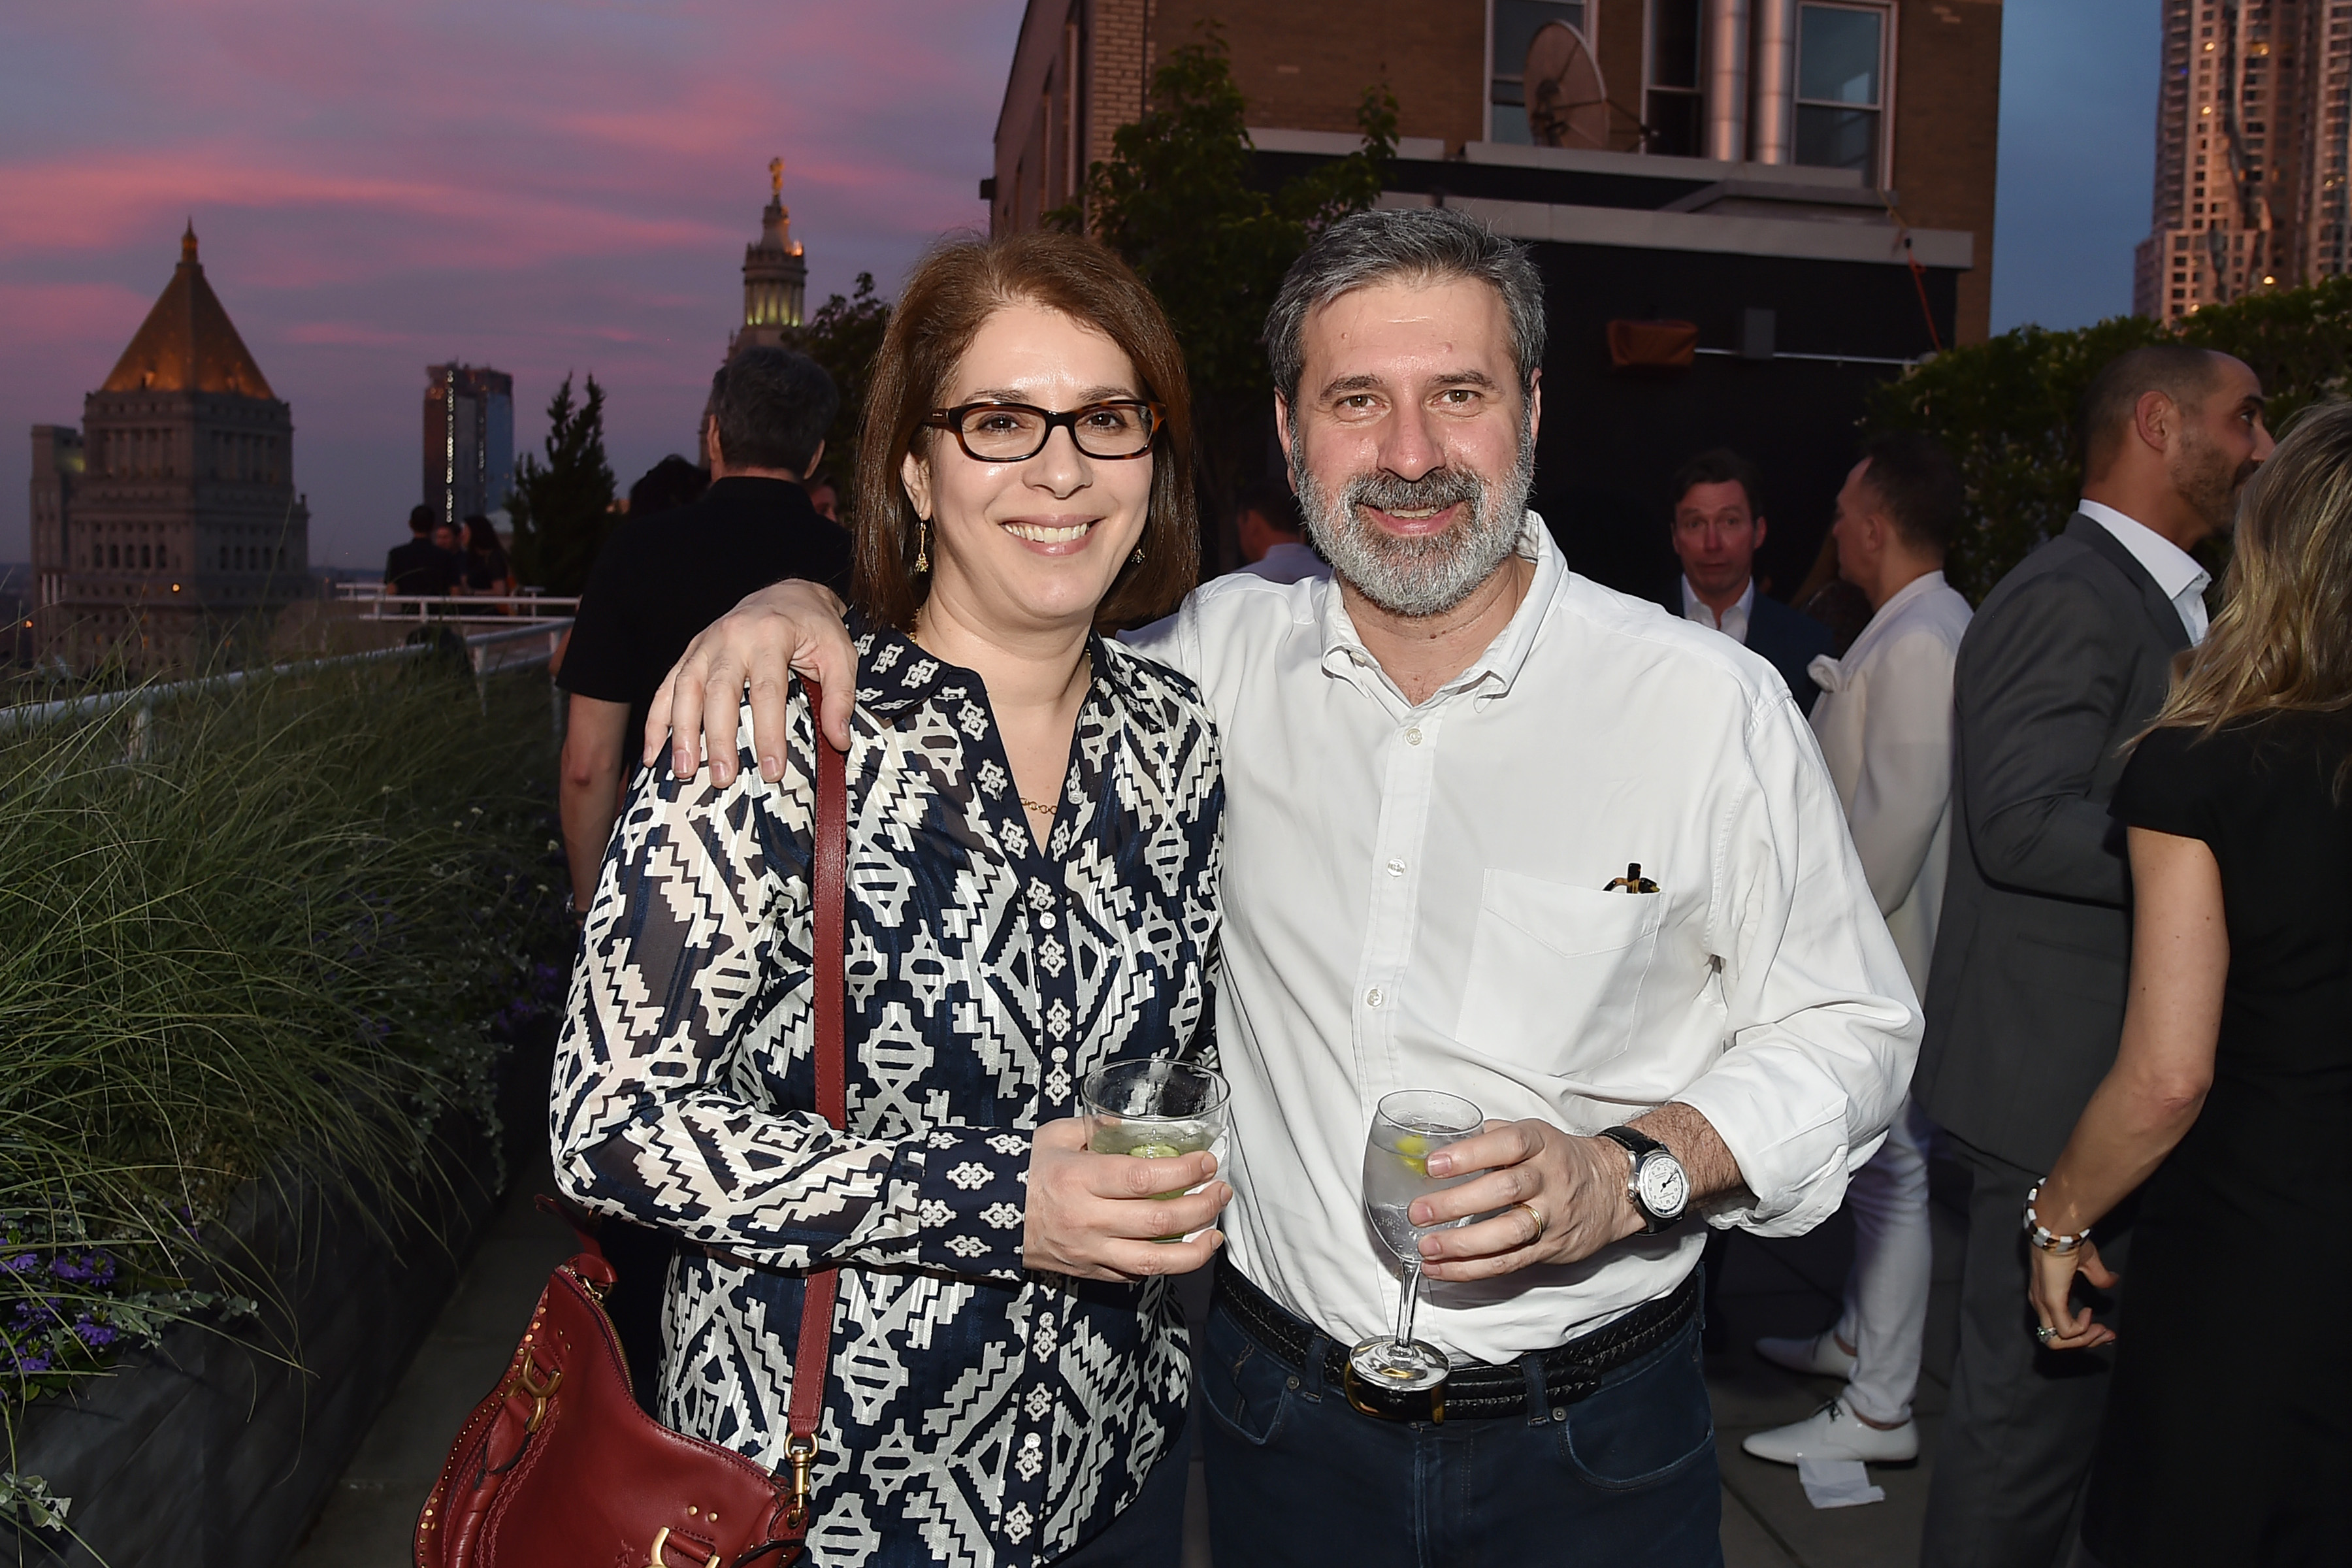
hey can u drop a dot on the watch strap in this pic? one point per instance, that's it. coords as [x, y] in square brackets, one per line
[1640, 1147]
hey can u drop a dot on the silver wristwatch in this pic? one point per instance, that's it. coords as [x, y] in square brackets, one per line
[1657, 1183]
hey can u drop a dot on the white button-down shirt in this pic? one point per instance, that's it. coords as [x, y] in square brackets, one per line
[1732, 623]
[2177, 576]
[1885, 720]
[1414, 899]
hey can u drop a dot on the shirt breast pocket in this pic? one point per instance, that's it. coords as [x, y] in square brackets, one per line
[1555, 973]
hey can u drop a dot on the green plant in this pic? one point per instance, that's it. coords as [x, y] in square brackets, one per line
[562, 507]
[844, 336]
[272, 947]
[2010, 408]
[1177, 200]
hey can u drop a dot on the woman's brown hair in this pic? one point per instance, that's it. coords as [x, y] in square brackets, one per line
[953, 291]
[2283, 640]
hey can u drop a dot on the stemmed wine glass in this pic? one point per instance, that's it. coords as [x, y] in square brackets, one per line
[1407, 1128]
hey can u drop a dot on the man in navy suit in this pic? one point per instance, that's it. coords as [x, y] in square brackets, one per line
[1718, 528]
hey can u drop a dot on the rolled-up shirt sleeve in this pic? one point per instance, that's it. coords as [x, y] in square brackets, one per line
[696, 950]
[1820, 1024]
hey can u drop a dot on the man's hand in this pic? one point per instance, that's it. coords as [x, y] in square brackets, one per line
[1095, 1215]
[1577, 1184]
[789, 625]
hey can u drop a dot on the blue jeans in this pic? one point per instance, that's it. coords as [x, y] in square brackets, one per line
[1296, 1476]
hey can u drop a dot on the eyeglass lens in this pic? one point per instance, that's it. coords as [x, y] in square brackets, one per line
[1011, 432]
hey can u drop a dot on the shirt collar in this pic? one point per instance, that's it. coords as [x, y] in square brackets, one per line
[896, 675]
[2174, 568]
[1691, 601]
[1498, 668]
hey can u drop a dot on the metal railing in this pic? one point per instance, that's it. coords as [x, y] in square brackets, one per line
[479, 656]
[379, 603]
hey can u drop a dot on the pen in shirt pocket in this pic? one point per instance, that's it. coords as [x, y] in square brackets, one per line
[1633, 882]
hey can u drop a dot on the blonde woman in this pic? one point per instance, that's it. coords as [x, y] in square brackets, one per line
[2229, 1429]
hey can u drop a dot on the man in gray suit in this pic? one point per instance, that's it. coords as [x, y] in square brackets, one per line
[2066, 661]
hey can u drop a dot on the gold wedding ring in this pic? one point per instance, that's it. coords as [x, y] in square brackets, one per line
[1542, 1225]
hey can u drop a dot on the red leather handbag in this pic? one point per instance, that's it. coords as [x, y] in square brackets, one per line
[559, 1469]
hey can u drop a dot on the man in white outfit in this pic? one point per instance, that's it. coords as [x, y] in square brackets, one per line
[1885, 723]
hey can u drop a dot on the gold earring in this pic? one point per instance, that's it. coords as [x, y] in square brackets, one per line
[923, 546]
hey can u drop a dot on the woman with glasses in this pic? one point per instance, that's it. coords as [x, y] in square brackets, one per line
[2228, 1434]
[1035, 820]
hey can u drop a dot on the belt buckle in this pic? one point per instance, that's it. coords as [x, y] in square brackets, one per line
[1386, 1403]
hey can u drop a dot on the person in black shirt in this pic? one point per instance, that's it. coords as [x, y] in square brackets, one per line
[661, 579]
[421, 566]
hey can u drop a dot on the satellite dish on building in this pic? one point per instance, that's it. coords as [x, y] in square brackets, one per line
[1567, 106]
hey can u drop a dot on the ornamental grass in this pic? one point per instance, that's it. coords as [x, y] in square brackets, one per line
[269, 933]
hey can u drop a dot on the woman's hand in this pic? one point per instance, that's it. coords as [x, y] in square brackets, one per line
[1093, 1215]
[789, 625]
[2050, 1286]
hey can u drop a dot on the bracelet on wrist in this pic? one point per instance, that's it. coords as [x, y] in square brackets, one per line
[2041, 1236]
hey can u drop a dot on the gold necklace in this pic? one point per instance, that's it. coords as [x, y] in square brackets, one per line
[1036, 806]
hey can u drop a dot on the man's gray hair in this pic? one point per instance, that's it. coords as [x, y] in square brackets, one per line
[1423, 244]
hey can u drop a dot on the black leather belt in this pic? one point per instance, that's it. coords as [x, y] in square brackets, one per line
[1475, 1390]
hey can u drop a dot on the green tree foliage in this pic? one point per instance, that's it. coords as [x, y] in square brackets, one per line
[2010, 409]
[562, 507]
[1176, 199]
[844, 336]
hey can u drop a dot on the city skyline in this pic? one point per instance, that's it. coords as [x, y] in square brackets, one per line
[573, 191]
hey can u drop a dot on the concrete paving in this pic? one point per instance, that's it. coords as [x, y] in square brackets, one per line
[1769, 1288]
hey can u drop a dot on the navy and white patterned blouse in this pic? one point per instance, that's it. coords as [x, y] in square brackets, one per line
[978, 1412]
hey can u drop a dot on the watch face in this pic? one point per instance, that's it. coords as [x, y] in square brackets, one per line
[1663, 1187]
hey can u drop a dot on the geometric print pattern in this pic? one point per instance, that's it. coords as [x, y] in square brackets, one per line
[979, 1413]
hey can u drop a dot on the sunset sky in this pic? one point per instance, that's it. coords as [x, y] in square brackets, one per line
[546, 186]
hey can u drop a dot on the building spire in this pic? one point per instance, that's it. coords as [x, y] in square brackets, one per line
[188, 242]
[776, 178]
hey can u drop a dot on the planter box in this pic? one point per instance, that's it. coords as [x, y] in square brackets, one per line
[217, 1449]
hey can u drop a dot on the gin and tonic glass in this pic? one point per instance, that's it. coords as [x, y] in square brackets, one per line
[1155, 1110]
[1407, 1128]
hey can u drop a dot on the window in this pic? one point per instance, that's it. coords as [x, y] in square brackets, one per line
[1514, 25]
[1841, 51]
[1671, 111]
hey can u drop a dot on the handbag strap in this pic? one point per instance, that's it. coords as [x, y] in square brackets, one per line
[812, 1361]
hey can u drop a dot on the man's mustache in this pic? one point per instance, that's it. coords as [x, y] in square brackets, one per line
[1437, 489]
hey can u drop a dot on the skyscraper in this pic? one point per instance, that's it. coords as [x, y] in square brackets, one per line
[174, 509]
[2252, 138]
[468, 441]
[775, 276]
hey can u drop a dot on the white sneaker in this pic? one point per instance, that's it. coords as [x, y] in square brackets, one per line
[1835, 1432]
[1821, 1355]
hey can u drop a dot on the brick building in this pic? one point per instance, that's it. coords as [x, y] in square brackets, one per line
[1809, 183]
[172, 513]
[2253, 127]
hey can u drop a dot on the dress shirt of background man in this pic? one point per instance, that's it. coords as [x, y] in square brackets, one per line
[1266, 522]
[1885, 721]
[1438, 761]
[661, 579]
[421, 566]
[1718, 527]
[2068, 658]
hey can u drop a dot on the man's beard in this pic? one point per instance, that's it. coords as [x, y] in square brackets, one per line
[2204, 477]
[1429, 574]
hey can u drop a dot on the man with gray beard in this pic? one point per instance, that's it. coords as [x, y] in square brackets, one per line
[1496, 832]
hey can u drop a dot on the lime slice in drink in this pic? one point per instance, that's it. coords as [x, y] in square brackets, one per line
[1154, 1151]
[1414, 1149]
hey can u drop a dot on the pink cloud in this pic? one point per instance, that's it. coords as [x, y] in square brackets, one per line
[543, 186]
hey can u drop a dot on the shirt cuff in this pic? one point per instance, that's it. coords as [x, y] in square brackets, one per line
[971, 1200]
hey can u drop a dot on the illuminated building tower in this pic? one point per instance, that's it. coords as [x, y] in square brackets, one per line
[172, 511]
[775, 277]
[2251, 152]
[468, 441]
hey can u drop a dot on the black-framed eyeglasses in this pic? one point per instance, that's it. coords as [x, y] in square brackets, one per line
[1016, 432]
